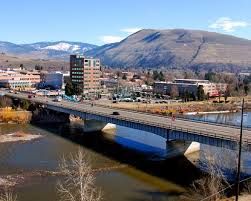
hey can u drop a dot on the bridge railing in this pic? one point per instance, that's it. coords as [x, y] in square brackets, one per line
[177, 116]
[203, 132]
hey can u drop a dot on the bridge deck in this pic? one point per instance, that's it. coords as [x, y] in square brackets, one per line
[199, 128]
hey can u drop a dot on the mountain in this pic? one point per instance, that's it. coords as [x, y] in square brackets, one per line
[30, 62]
[177, 48]
[46, 50]
[149, 48]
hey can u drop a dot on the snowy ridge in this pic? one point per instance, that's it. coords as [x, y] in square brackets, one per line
[63, 47]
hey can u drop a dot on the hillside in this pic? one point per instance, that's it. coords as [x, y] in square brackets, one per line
[46, 50]
[177, 48]
[148, 48]
[30, 63]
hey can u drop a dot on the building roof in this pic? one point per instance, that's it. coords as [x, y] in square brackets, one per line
[192, 80]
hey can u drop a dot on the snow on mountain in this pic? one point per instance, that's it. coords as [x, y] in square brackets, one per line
[63, 47]
[47, 50]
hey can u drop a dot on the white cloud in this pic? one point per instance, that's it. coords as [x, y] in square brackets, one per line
[113, 39]
[130, 30]
[227, 24]
[110, 39]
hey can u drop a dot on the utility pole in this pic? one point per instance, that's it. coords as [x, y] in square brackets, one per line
[239, 156]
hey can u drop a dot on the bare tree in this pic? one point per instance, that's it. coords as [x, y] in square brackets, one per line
[79, 180]
[211, 186]
[212, 183]
[7, 195]
[5, 101]
[174, 92]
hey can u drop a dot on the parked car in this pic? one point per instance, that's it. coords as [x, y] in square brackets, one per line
[58, 99]
[115, 113]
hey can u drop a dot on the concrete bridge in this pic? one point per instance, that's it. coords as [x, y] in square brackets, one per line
[180, 129]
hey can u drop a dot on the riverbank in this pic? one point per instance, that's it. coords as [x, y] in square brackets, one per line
[18, 136]
[174, 108]
[211, 112]
[245, 197]
[8, 115]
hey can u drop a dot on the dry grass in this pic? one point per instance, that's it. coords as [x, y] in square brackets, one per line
[9, 115]
[165, 108]
[30, 62]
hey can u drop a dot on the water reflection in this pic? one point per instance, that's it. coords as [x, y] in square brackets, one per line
[148, 174]
[141, 179]
[229, 118]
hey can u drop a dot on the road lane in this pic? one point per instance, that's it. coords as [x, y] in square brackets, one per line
[201, 128]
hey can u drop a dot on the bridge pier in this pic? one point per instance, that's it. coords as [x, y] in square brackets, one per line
[186, 130]
[91, 125]
[181, 147]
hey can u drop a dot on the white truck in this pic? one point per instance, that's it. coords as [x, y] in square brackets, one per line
[58, 99]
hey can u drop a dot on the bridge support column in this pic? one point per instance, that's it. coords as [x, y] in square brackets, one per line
[180, 147]
[193, 147]
[94, 126]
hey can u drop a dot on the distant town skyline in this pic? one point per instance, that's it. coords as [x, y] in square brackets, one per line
[101, 22]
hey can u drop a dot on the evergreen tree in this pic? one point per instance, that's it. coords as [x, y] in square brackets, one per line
[76, 89]
[155, 75]
[227, 93]
[210, 76]
[161, 76]
[246, 89]
[200, 93]
[124, 77]
[69, 91]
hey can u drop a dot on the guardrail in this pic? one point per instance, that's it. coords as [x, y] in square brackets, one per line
[205, 133]
[177, 117]
[159, 125]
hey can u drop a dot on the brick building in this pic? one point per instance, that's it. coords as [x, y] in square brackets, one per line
[85, 73]
[191, 86]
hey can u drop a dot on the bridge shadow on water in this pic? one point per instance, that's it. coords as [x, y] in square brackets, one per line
[178, 169]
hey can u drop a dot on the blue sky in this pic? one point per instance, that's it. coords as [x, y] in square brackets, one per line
[104, 21]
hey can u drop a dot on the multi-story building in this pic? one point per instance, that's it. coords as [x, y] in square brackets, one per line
[17, 80]
[190, 86]
[53, 80]
[85, 73]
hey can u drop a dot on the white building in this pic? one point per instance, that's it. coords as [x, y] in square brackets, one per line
[17, 80]
[52, 80]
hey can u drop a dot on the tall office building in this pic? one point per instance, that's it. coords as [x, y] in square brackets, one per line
[85, 73]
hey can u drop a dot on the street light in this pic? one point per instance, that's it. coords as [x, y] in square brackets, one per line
[239, 155]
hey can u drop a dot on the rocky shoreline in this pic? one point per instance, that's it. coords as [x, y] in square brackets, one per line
[18, 136]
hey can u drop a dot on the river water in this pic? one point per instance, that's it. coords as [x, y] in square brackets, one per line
[226, 118]
[137, 164]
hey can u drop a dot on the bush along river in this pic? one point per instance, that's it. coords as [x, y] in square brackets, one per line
[130, 165]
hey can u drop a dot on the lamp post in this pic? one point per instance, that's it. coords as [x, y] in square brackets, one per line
[239, 155]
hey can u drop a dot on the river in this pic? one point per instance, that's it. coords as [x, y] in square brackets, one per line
[140, 166]
[226, 118]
